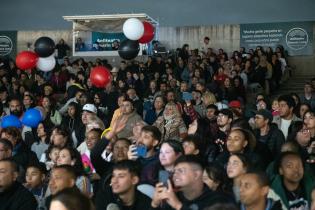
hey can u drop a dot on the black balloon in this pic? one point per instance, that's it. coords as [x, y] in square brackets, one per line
[128, 49]
[44, 47]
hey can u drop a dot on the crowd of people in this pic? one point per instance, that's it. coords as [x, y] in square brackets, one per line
[198, 130]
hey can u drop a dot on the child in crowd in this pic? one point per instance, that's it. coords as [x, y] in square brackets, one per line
[36, 182]
[50, 157]
[275, 107]
[92, 137]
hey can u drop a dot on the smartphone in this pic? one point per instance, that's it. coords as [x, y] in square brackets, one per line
[163, 177]
[141, 151]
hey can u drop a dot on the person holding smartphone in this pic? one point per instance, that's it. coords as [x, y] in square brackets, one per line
[163, 169]
[188, 173]
[144, 150]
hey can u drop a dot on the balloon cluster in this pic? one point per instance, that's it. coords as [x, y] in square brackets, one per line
[42, 58]
[136, 32]
[32, 117]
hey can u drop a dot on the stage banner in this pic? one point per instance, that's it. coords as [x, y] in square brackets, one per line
[8, 44]
[106, 41]
[295, 37]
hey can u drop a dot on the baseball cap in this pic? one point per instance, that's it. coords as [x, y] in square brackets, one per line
[114, 70]
[235, 104]
[89, 108]
[266, 114]
[221, 105]
[226, 112]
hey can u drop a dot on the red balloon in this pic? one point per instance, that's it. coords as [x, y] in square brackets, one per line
[100, 76]
[148, 34]
[26, 60]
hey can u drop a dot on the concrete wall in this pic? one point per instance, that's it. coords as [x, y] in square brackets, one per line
[25, 37]
[226, 37]
[222, 36]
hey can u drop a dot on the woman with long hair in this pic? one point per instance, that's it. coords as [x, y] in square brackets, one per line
[70, 156]
[60, 137]
[156, 111]
[42, 140]
[52, 114]
[237, 165]
[215, 177]
[170, 150]
[171, 123]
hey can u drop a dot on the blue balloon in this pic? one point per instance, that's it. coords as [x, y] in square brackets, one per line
[32, 118]
[11, 121]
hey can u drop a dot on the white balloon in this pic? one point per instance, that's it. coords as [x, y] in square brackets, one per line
[46, 64]
[133, 29]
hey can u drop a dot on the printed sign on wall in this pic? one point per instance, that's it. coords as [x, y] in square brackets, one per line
[295, 37]
[8, 43]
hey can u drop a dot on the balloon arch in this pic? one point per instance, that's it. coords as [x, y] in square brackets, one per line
[91, 33]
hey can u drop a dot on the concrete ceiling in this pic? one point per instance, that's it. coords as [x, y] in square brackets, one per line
[47, 14]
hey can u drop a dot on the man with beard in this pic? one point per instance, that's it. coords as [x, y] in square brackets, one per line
[150, 138]
[224, 120]
[13, 195]
[15, 107]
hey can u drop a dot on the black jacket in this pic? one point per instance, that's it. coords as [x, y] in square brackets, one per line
[274, 139]
[206, 199]
[105, 197]
[17, 197]
[102, 167]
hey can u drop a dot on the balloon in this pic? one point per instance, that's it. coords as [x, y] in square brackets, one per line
[133, 29]
[100, 76]
[44, 47]
[148, 34]
[11, 121]
[32, 117]
[26, 60]
[128, 49]
[46, 64]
